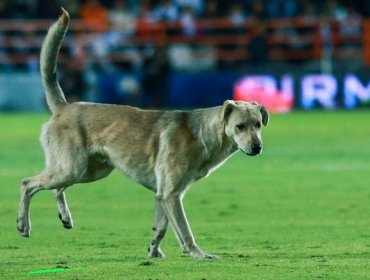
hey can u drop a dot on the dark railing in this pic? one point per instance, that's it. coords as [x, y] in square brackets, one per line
[296, 39]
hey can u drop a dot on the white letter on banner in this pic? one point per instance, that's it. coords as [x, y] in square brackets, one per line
[321, 88]
[287, 86]
[353, 90]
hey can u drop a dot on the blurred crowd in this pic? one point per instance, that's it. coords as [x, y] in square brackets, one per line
[176, 10]
[117, 20]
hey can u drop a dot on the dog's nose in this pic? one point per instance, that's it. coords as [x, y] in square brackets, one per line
[256, 148]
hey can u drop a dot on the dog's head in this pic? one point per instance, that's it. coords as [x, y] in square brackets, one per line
[243, 122]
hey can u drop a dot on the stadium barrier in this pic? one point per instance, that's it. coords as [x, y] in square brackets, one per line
[339, 47]
[21, 92]
[280, 90]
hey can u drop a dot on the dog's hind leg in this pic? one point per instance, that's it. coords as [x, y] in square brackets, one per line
[160, 228]
[62, 171]
[29, 187]
[95, 171]
[63, 209]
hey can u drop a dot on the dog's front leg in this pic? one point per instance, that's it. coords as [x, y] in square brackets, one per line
[173, 207]
[160, 228]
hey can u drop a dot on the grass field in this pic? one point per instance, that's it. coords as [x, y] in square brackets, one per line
[299, 211]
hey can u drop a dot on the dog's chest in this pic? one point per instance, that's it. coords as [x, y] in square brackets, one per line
[208, 166]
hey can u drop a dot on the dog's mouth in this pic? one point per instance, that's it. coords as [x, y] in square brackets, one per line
[252, 152]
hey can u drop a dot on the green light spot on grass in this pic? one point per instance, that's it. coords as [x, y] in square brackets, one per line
[51, 270]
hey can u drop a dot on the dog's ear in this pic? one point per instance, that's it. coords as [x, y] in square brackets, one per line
[227, 109]
[265, 114]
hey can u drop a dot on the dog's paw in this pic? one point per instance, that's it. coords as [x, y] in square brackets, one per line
[204, 257]
[155, 253]
[211, 257]
[200, 255]
[185, 250]
[68, 224]
[23, 229]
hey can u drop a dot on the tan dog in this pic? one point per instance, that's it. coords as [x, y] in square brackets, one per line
[165, 151]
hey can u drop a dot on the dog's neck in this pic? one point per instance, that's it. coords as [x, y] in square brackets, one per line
[209, 127]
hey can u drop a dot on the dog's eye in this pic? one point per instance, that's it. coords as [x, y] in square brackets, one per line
[258, 124]
[240, 126]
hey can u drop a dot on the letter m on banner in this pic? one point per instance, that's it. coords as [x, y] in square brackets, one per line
[355, 92]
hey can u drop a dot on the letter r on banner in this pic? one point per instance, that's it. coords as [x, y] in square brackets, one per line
[319, 88]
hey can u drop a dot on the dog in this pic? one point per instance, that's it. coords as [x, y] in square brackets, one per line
[165, 151]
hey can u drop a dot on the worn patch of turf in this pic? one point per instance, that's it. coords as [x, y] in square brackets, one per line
[299, 211]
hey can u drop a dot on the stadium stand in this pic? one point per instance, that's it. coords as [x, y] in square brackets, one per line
[198, 34]
[111, 30]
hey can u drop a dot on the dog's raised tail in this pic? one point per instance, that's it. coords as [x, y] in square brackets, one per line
[48, 62]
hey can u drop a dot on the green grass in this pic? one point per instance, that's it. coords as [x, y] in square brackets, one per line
[299, 211]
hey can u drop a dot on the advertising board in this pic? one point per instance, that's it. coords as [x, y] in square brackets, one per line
[281, 94]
